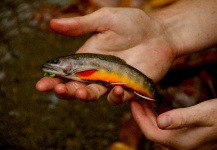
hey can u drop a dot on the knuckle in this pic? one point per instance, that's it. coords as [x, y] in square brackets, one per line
[105, 11]
[113, 100]
[96, 91]
[182, 120]
[179, 120]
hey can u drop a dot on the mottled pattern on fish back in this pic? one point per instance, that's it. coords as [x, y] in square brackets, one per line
[115, 64]
[109, 58]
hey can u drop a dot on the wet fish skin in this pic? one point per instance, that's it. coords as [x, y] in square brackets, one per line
[102, 69]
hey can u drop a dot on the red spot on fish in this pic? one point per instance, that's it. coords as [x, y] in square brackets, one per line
[86, 73]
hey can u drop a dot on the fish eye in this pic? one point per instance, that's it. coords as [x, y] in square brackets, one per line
[55, 61]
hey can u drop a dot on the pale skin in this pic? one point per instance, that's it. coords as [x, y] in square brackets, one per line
[149, 42]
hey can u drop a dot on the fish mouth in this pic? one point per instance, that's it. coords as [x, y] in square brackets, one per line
[52, 69]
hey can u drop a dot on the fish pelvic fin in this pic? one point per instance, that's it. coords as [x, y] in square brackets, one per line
[144, 97]
[118, 83]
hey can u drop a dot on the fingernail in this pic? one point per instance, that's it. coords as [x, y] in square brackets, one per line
[164, 122]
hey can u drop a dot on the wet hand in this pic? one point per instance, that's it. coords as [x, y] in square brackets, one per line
[78, 90]
[185, 128]
[71, 89]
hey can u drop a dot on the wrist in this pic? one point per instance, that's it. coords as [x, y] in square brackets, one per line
[189, 25]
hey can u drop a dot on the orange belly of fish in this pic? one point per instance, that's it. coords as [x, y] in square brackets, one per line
[113, 77]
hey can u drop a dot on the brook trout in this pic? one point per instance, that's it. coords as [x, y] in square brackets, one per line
[106, 70]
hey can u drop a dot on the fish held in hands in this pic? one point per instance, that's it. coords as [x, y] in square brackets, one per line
[106, 70]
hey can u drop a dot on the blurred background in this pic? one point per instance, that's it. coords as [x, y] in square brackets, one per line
[33, 120]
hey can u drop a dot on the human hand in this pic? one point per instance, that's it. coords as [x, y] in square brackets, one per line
[185, 128]
[124, 32]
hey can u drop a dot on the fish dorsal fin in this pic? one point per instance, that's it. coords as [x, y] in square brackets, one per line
[118, 59]
[144, 97]
[112, 58]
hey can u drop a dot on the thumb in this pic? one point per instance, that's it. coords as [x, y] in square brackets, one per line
[97, 21]
[198, 115]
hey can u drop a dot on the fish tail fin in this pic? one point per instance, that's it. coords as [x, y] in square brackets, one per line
[159, 105]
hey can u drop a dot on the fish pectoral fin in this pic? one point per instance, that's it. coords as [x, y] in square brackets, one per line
[86, 73]
[144, 97]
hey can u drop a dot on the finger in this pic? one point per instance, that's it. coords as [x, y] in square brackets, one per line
[46, 84]
[147, 106]
[91, 92]
[94, 22]
[118, 95]
[67, 91]
[198, 115]
[145, 123]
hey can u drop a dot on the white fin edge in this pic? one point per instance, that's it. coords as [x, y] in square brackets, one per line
[118, 83]
[144, 97]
